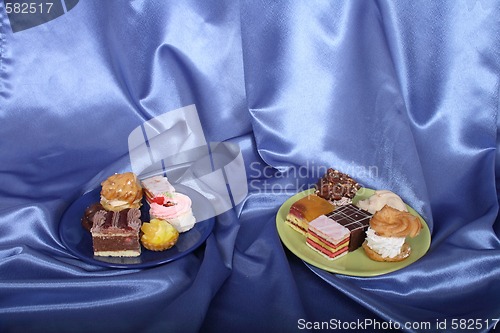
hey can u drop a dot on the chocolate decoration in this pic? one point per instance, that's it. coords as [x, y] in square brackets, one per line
[356, 220]
[335, 185]
[110, 222]
[116, 233]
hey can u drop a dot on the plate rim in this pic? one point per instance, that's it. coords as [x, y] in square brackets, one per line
[280, 225]
[91, 260]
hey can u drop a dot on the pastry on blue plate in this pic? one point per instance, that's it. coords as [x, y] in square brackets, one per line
[89, 215]
[121, 191]
[158, 235]
[116, 234]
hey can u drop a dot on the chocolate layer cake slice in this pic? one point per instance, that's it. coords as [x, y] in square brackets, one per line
[305, 210]
[356, 220]
[116, 234]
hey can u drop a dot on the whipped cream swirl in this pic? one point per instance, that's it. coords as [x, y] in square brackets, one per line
[387, 247]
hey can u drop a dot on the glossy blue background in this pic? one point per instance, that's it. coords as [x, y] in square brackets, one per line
[409, 89]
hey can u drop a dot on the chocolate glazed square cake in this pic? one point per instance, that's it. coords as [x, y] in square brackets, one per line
[356, 220]
[116, 234]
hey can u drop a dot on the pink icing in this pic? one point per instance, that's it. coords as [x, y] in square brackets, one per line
[329, 229]
[182, 205]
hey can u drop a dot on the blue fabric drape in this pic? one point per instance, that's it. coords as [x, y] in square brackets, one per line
[402, 95]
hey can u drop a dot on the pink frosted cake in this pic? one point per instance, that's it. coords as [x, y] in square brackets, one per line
[327, 237]
[176, 210]
[167, 204]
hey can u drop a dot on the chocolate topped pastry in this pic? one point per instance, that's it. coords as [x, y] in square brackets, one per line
[89, 215]
[116, 234]
[337, 187]
[356, 220]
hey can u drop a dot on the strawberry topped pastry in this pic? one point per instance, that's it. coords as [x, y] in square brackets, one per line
[157, 189]
[176, 210]
[167, 204]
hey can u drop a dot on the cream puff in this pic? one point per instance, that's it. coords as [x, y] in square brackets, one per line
[386, 236]
[121, 191]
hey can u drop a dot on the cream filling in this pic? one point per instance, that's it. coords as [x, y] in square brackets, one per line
[183, 222]
[118, 203]
[124, 253]
[387, 247]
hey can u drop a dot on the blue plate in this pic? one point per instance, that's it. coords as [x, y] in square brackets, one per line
[79, 241]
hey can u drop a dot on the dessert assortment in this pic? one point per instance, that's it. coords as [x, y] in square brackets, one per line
[116, 223]
[333, 225]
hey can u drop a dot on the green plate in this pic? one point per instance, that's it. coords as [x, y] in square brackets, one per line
[355, 263]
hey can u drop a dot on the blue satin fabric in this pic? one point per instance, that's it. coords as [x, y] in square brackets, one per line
[403, 95]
